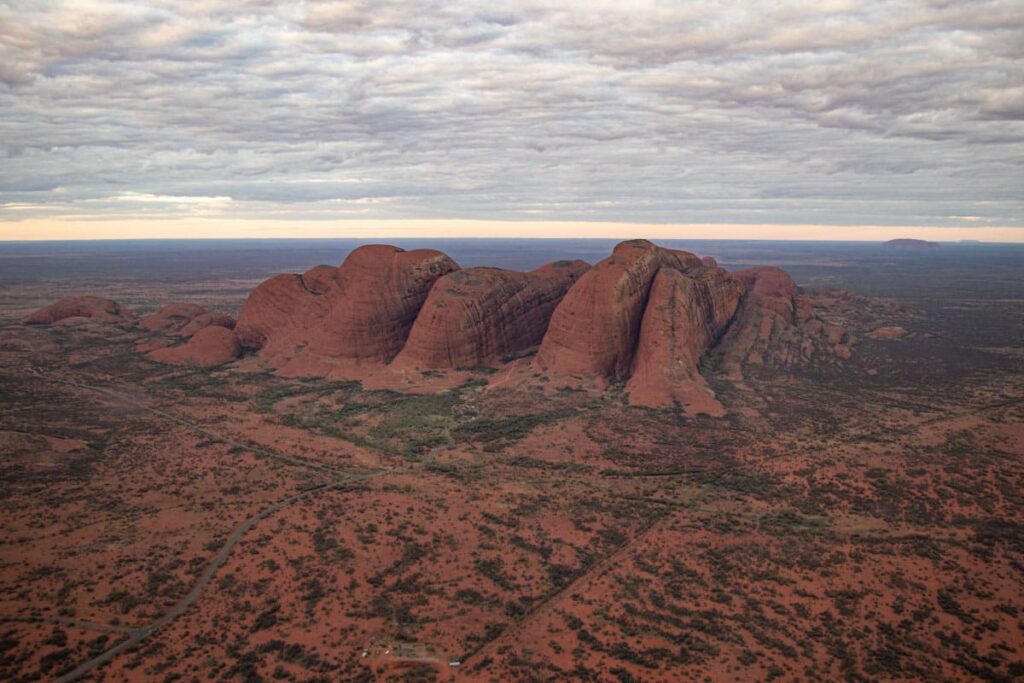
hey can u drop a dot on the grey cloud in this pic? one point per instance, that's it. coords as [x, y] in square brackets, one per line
[849, 112]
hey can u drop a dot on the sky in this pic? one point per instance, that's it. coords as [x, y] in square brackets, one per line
[835, 119]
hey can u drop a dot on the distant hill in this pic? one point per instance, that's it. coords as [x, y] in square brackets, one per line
[907, 243]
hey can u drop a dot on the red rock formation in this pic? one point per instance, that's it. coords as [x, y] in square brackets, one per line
[709, 261]
[208, 347]
[381, 289]
[92, 307]
[776, 322]
[171, 317]
[276, 313]
[477, 316]
[685, 315]
[593, 331]
[361, 311]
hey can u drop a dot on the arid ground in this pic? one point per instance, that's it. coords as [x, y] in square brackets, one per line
[851, 520]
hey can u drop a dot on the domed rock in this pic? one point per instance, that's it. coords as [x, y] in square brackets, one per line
[380, 291]
[208, 347]
[477, 316]
[92, 307]
[684, 316]
[171, 317]
[276, 312]
[709, 261]
[594, 329]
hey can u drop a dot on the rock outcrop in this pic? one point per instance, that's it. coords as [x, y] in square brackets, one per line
[593, 331]
[775, 323]
[361, 311]
[684, 316]
[478, 316]
[93, 308]
[381, 289]
[210, 346]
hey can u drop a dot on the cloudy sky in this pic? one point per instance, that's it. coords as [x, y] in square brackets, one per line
[831, 118]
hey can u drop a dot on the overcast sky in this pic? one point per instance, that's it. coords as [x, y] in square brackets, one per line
[165, 115]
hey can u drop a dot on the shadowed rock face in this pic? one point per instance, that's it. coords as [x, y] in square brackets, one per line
[92, 307]
[208, 347]
[478, 316]
[594, 330]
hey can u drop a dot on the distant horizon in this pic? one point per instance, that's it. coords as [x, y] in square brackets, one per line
[212, 229]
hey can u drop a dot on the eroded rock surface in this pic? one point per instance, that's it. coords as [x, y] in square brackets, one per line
[684, 316]
[479, 316]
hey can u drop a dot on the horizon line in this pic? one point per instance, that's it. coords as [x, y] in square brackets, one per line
[205, 227]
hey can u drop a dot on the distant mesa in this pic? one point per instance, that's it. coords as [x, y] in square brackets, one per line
[907, 243]
[72, 309]
[646, 318]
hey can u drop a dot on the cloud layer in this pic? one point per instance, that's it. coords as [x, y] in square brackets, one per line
[901, 112]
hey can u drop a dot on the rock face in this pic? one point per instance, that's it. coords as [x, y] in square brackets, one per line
[774, 289]
[594, 329]
[477, 316]
[361, 311]
[775, 322]
[684, 316]
[275, 314]
[381, 291]
[208, 347]
[94, 308]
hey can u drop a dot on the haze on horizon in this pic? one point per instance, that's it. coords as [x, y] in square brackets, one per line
[830, 120]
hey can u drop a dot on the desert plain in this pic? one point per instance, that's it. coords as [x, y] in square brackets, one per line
[850, 515]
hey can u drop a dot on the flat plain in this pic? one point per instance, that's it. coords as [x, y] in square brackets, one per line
[846, 520]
